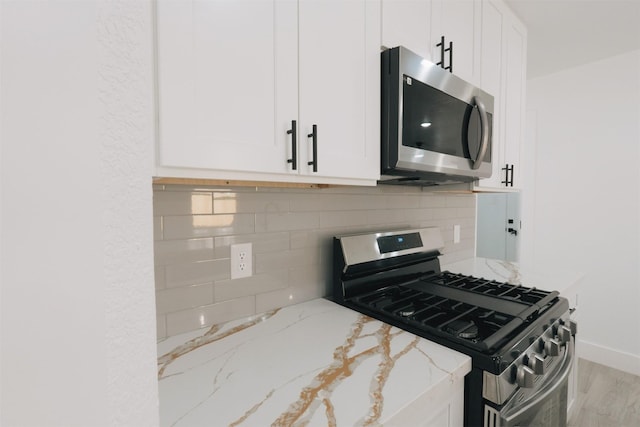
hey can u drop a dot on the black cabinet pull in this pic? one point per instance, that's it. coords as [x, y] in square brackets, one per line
[314, 139]
[294, 145]
[441, 45]
[508, 181]
[442, 63]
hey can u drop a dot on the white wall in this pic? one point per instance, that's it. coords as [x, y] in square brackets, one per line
[76, 266]
[584, 200]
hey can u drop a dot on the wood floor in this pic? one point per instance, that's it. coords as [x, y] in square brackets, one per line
[606, 397]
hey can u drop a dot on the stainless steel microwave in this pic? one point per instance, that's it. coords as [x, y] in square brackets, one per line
[436, 128]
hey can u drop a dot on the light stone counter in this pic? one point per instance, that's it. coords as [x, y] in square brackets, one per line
[315, 363]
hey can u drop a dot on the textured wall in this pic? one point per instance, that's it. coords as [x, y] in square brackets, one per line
[291, 232]
[126, 136]
[78, 344]
[598, 233]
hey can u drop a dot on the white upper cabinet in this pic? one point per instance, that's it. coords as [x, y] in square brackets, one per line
[459, 23]
[492, 77]
[340, 87]
[234, 76]
[503, 75]
[420, 25]
[514, 100]
[407, 23]
[227, 84]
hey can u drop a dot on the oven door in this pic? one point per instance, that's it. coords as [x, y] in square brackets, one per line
[546, 407]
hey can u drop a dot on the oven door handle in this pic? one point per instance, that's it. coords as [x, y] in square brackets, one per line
[484, 130]
[538, 399]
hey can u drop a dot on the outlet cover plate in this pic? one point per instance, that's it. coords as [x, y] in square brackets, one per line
[241, 260]
[456, 233]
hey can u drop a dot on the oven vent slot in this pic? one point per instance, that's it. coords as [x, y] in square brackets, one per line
[491, 417]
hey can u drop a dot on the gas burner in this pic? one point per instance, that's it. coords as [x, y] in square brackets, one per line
[407, 312]
[466, 329]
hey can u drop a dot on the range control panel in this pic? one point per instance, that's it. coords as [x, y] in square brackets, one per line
[399, 242]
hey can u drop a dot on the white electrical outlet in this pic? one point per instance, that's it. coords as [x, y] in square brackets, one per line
[456, 233]
[241, 260]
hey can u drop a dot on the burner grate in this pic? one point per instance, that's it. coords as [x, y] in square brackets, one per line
[447, 316]
[490, 287]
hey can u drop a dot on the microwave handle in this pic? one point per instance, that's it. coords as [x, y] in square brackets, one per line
[484, 129]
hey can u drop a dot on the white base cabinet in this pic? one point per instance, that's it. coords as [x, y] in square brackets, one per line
[235, 76]
[443, 409]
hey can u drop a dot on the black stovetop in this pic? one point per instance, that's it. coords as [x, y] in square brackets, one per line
[477, 313]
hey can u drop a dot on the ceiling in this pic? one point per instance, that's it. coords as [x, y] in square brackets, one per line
[567, 33]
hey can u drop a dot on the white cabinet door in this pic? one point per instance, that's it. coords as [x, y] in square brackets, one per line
[227, 83]
[408, 23]
[459, 22]
[339, 67]
[514, 109]
[492, 77]
[503, 75]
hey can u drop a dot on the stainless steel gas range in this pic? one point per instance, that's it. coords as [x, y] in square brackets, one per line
[521, 340]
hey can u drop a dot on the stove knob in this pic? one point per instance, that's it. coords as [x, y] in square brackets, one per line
[525, 376]
[564, 333]
[552, 347]
[536, 363]
[573, 326]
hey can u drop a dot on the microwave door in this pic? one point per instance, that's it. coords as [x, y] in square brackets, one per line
[441, 133]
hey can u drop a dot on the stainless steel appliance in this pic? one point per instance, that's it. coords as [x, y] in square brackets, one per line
[436, 128]
[520, 339]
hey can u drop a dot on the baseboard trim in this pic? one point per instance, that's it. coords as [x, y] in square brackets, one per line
[616, 359]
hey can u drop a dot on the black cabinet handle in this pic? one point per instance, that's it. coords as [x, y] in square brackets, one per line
[314, 139]
[294, 145]
[442, 52]
[508, 181]
[441, 45]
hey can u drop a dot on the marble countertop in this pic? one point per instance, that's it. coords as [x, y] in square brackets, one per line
[314, 363]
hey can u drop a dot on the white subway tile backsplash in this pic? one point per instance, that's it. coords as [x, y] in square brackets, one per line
[160, 280]
[196, 273]
[230, 289]
[433, 200]
[305, 239]
[291, 231]
[343, 219]
[161, 327]
[288, 221]
[175, 299]
[157, 228]
[284, 297]
[242, 202]
[264, 242]
[272, 261]
[182, 203]
[183, 251]
[387, 217]
[205, 316]
[193, 226]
